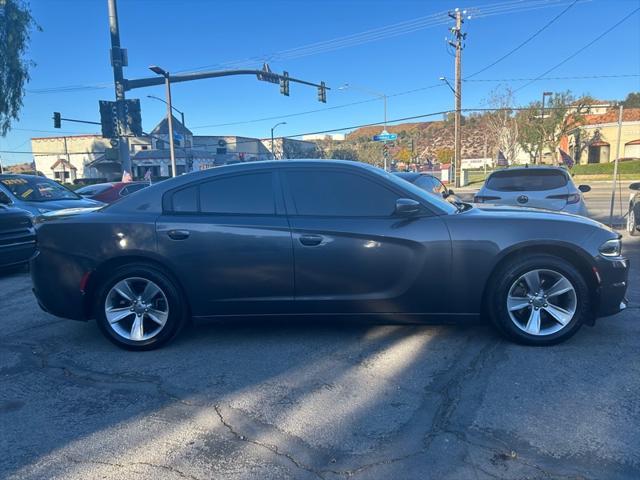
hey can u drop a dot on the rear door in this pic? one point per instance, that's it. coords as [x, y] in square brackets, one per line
[353, 254]
[229, 241]
[538, 188]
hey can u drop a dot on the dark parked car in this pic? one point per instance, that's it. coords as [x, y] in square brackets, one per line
[430, 184]
[17, 237]
[633, 217]
[322, 237]
[39, 194]
[110, 192]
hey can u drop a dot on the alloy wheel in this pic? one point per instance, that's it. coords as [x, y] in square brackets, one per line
[542, 302]
[136, 309]
[631, 221]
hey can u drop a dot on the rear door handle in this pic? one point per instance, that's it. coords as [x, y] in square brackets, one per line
[310, 240]
[178, 234]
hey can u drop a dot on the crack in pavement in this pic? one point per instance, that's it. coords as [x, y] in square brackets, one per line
[171, 469]
[272, 448]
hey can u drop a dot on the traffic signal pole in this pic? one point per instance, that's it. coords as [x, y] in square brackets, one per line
[118, 61]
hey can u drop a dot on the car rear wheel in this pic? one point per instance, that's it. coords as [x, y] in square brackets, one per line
[541, 300]
[632, 225]
[140, 308]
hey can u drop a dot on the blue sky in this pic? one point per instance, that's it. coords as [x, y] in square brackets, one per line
[182, 35]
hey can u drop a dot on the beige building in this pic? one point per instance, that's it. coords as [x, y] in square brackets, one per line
[596, 139]
[72, 157]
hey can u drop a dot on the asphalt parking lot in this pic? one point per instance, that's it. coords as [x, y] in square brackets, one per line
[317, 400]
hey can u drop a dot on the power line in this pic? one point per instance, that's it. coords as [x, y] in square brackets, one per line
[522, 44]
[318, 132]
[382, 33]
[575, 77]
[581, 49]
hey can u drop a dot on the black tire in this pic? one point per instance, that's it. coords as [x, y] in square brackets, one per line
[177, 306]
[632, 222]
[508, 274]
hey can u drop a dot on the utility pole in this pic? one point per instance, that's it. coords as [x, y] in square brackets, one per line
[541, 146]
[119, 60]
[273, 152]
[614, 180]
[459, 37]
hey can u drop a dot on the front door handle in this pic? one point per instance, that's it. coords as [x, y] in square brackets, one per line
[310, 240]
[178, 234]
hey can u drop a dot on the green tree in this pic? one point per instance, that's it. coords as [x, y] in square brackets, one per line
[16, 24]
[444, 155]
[561, 116]
[632, 100]
[403, 155]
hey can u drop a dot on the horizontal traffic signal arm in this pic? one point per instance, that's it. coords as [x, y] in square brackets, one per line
[187, 77]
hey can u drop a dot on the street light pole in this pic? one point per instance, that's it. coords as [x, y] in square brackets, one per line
[167, 81]
[272, 129]
[544, 95]
[174, 108]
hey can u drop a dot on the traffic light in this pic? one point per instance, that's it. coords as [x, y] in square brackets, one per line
[322, 93]
[284, 84]
[57, 120]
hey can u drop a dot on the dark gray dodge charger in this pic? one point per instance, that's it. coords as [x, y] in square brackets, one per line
[325, 238]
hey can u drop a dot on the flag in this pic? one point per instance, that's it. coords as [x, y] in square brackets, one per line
[126, 177]
[566, 158]
[501, 160]
[147, 176]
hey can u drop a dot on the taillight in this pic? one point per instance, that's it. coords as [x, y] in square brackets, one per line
[570, 198]
[484, 198]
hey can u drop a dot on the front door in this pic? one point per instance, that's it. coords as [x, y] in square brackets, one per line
[229, 242]
[353, 254]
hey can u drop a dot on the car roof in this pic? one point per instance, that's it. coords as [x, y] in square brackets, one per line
[147, 197]
[531, 168]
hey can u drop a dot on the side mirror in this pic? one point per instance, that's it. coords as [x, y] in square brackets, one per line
[584, 188]
[406, 206]
[635, 186]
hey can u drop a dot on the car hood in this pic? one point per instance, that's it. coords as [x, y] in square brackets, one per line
[61, 204]
[532, 213]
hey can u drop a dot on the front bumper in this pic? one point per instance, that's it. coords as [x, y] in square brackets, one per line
[611, 293]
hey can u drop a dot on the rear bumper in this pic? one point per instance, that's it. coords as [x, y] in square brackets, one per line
[612, 291]
[56, 284]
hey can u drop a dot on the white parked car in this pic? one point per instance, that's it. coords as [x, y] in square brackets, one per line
[545, 187]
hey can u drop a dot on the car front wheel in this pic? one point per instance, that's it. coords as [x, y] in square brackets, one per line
[632, 225]
[140, 308]
[540, 300]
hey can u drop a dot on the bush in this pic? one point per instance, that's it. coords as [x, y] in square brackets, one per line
[628, 166]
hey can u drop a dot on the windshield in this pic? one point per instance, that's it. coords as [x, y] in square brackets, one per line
[435, 200]
[526, 180]
[37, 189]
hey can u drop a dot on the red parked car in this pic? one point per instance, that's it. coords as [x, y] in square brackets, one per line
[110, 192]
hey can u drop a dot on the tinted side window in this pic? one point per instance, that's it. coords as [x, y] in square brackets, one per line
[186, 200]
[240, 194]
[532, 180]
[335, 193]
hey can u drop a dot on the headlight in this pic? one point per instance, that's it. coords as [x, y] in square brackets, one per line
[611, 248]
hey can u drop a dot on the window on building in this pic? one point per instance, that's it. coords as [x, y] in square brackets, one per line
[221, 151]
[339, 194]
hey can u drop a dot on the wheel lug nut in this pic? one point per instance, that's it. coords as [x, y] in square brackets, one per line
[536, 308]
